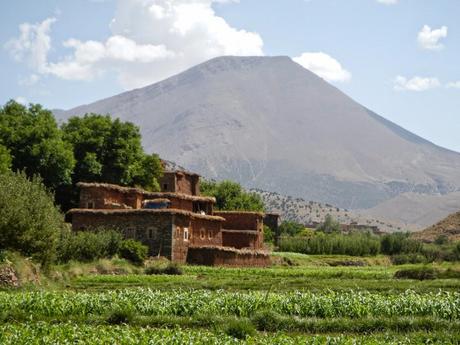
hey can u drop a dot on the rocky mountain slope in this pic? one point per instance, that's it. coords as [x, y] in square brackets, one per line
[449, 227]
[268, 123]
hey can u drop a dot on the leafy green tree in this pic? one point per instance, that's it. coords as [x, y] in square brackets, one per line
[290, 228]
[231, 196]
[269, 237]
[110, 151]
[5, 159]
[329, 225]
[29, 221]
[35, 143]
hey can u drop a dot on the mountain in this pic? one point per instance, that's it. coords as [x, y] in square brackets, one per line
[448, 227]
[271, 124]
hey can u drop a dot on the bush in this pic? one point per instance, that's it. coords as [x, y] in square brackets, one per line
[240, 329]
[170, 269]
[29, 221]
[120, 316]
[267, 321]
[133, 251]
[88, 245]
[424, 273]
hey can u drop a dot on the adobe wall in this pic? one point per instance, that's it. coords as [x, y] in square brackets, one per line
[168, 182]
[180, 240]
[225, 257]
[181, 204]
[153, 230]
[206, 232]
[239, 240]
[241, 220]
[104, 198]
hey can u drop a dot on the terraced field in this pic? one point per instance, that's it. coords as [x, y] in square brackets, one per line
[312, 301]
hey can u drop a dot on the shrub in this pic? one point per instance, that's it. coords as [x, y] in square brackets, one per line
[424, 273]
[402, 259]
[133, 251]
[267, 321]
[120, 316]
[240, 329]
[88, 245]
[170, 269]
[29, 221]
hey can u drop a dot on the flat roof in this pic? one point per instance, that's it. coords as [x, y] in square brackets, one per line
[244, 232]
[147, 194]
[143, 211]
[183, 172]
[261, 214]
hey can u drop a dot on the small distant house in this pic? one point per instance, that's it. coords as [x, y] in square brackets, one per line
[177, 223]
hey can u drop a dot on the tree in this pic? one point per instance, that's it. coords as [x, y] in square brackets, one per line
[290, 228]
[110, 151]
[35, 143]
[29, 221]
[5, 159]
[329, 225]
[231, 196]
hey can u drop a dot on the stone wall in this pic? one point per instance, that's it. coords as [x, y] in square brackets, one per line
[242, 229]
[96, 197]
[215, 256]
[152, 229]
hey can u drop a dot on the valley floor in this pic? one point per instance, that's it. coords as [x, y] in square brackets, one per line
[300, 300]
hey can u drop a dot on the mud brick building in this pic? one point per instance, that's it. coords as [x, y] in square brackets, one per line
[177, 223]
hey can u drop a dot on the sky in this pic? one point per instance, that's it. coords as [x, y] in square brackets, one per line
[399, 58]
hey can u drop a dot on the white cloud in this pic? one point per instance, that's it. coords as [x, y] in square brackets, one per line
[323, 65]
[388, 2]
[415, 83]
[429, 39]
[32, 45]
[453, 85]
[150, 40]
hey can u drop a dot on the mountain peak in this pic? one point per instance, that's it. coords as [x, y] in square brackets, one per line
[269, 123]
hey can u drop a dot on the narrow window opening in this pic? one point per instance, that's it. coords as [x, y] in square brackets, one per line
[185, 234]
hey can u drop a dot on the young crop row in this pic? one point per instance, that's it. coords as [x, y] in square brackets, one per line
[68, 333]
[353, 304]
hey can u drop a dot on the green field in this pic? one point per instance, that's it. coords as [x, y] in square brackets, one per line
[300, 300]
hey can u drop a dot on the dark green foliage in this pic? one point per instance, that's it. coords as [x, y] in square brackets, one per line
[133, 251]
[355, 244]
[422, 273]
[269, 237]
[240, 329]
[35, 143]
[441, 239]
[110, 151]
[401, 259]
[231, 196]
[5, 159]
[120, 316]
[88, 245]
[290, 228]
[267, 321]
[29, 221]
[329, 225]
[170, 269]
[399, 243]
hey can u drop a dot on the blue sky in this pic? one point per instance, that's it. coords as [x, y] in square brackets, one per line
[399, 58]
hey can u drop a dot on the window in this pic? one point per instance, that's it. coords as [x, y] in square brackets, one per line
[210, 235]
[150, 233]
[202, 234]
[165, 186]
[90, 204]
[185, 234]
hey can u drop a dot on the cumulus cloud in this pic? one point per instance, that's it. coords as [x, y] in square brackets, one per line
[429, 38]
[415, 83]
[388, 2]
[323, 65]
[150, 40]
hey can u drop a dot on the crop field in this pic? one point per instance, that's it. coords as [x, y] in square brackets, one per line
[314, 300]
